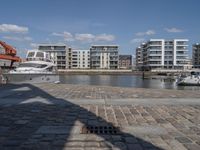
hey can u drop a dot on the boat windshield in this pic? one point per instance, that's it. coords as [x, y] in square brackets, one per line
[195, 73]
[31, 54]
[32, 65]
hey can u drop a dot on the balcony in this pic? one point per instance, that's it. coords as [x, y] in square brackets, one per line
[181, 54]
[61, 55]
[95, 65]
[158, 50]
[113, 65]
[113, 59]
[154, 64]
[154, 59]
[155, 54]
[98, 60]
[181, 44]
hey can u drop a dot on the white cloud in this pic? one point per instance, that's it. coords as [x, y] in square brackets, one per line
[66, 35]
[20, 39]
[137, 40]
[7, 28]
[57, 34]
[173, 30]
[34, 45]
[105, 37]
[27, 38]
[149, 32]
[87, 37]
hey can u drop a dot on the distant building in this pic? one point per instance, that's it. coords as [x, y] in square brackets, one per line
[139, 58]
[57, 53]
[134, 62]
[125, 61]
[69, 58]
[196, 55]
[165, 54]
[80, 59]
[104, 57]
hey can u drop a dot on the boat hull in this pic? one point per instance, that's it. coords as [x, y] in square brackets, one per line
[188, 84]
[189, 81]
[31, 78]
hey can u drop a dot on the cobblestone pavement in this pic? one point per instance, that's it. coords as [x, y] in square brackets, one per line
[106, 92]
[37, 125]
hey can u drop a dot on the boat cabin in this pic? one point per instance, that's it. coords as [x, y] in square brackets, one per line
[36, 55]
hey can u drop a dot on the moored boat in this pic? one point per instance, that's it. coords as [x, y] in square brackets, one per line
[37, 68]
[193, 79]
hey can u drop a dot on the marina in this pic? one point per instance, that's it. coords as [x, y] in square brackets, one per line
[99, 75]
[114, 80]
[137, 81]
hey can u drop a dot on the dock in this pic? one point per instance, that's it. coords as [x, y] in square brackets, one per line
[84, 117]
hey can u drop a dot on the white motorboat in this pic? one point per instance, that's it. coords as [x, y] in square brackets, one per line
[37, 68]
[192, 79]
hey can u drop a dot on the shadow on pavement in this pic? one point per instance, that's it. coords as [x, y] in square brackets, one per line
[56, 123]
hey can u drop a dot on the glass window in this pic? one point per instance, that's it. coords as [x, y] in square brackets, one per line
[31, 54]
[40, 54]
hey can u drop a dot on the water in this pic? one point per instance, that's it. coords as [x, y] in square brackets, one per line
[123, 81]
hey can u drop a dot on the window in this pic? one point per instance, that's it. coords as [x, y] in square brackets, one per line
[40, 54]
[31, 54]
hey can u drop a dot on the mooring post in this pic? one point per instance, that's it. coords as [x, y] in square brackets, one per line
[142, 74]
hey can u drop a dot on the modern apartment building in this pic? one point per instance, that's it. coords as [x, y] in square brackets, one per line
[139, 57]
[57, 52]
[104, 57]
[196, 55]
[80, 59]
[125, 61]
[133, 66]
[165, 54]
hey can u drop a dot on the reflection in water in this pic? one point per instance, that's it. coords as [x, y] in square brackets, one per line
[123, 81]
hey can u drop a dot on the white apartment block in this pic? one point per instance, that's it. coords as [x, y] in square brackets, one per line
[57, 53]
[104, 57]
[165, 54]
[80, 59]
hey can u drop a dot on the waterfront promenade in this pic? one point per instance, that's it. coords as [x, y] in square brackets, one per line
[79, 117]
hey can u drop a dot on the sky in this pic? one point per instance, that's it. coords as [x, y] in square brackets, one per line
[81, 23]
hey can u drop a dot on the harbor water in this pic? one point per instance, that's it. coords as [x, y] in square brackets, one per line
[159, 82]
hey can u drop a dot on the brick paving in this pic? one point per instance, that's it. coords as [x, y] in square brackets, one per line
[106, 92]
[38, 125]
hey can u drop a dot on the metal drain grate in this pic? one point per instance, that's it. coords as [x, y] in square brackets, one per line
[100, 130]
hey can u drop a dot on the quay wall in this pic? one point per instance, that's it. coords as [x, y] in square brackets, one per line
[122, 72]
[102, 72]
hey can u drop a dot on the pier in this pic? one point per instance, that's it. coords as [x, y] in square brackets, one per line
[64, 116]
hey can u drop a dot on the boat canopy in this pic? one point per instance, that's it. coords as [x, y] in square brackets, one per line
[36, 55]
